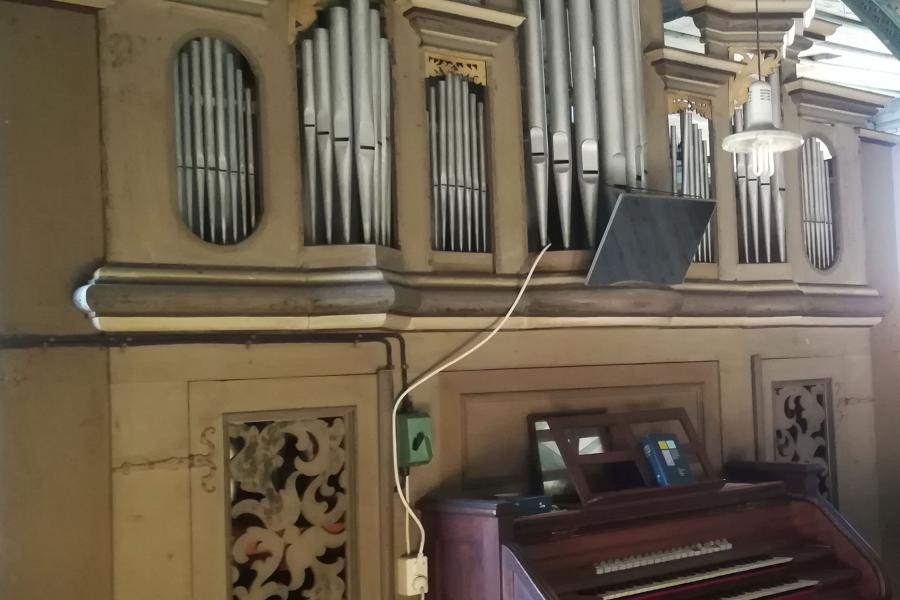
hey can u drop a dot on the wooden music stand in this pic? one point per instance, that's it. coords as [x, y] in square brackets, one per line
[626, 448]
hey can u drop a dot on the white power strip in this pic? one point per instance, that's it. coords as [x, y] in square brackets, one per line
[412, 575]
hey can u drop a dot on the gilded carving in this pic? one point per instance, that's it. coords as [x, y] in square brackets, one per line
[437, 64]
[678, 102]
[740, 85]
[289, 497]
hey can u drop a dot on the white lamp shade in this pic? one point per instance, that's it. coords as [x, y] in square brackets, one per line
[760, 137]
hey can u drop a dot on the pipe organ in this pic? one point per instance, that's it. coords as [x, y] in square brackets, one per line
[818, 209]
[345, 88]
[215, 141]
[689, 149]
[584, 112]
[761, 192]
[459, 188]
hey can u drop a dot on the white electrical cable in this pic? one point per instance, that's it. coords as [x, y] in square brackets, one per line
[411, 514]
[406, 520]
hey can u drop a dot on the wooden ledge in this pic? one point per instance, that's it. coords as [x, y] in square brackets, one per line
[832, 103]
[458, 26]
[692, 72]
[168, 299]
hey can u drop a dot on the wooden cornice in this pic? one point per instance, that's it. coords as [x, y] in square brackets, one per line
[98, 4]
[691, 72]
[171, 298]
[459, 26]
[831, 103]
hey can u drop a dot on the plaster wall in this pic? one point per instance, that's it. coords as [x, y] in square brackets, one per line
[881, 195]
[54, 430]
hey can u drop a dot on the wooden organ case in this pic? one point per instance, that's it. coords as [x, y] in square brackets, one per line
[765, 532]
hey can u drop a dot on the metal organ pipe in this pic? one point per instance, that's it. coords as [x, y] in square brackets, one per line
[387, 149]
[212, 140]
[435, 171]
[631, 80]
[586, 131]
[741, 168]
[363, 126]
[608, 89]
[460, 194]
[324, 133]
[342, 127]
[375, 57]
[347, 87]
[778, 186]
[560, 114]
[307, 62]
[537, 113]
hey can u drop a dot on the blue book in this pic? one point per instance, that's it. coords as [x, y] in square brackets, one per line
[666, 460]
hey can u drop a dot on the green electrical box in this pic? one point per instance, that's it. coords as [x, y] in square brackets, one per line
[413, 439]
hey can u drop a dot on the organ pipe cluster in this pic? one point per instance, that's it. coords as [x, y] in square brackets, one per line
[761, 194]
[215, 141]
[819, 237]
[689, 153]
[458, 167]
[345, 82]
[582, 67]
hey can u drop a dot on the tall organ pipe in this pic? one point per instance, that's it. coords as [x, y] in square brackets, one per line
[251, 157]
[609, 92]
[242, 153]
[586, 131]
[483, 189]
[778, 186]
[806, 192]
[458, 132]
[375, 58]
[560, 114]
[209, 132]
[466, 214]
[630, 83]
[673, 156]
[444, 140]
[341, 120]
[829, 216]
[307, 60]
[232, 118]
[475, 217]
[765, 198]
[742, 185]
[179, 144]
[537, 112]
[451, 159]
[324, 134]
[433, 149]
[363, 126]
[200, 156]
[222, 160]
[639, 88]
[387, 149]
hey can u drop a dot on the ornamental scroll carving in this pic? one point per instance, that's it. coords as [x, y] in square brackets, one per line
[289, 499]
[803, 428]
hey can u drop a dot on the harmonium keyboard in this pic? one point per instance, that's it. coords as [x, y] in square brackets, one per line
[735, 541]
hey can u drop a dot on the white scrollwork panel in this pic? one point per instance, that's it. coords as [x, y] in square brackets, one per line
[289, 508]
[803, 428]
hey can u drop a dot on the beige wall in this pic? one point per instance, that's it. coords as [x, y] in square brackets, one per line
[881, 195]
[54, 430]
[152, 407]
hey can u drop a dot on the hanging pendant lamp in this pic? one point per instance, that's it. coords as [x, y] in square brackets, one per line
[761, 139]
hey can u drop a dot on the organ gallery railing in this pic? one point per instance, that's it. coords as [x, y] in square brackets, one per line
[345, 83]
[215, 141]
